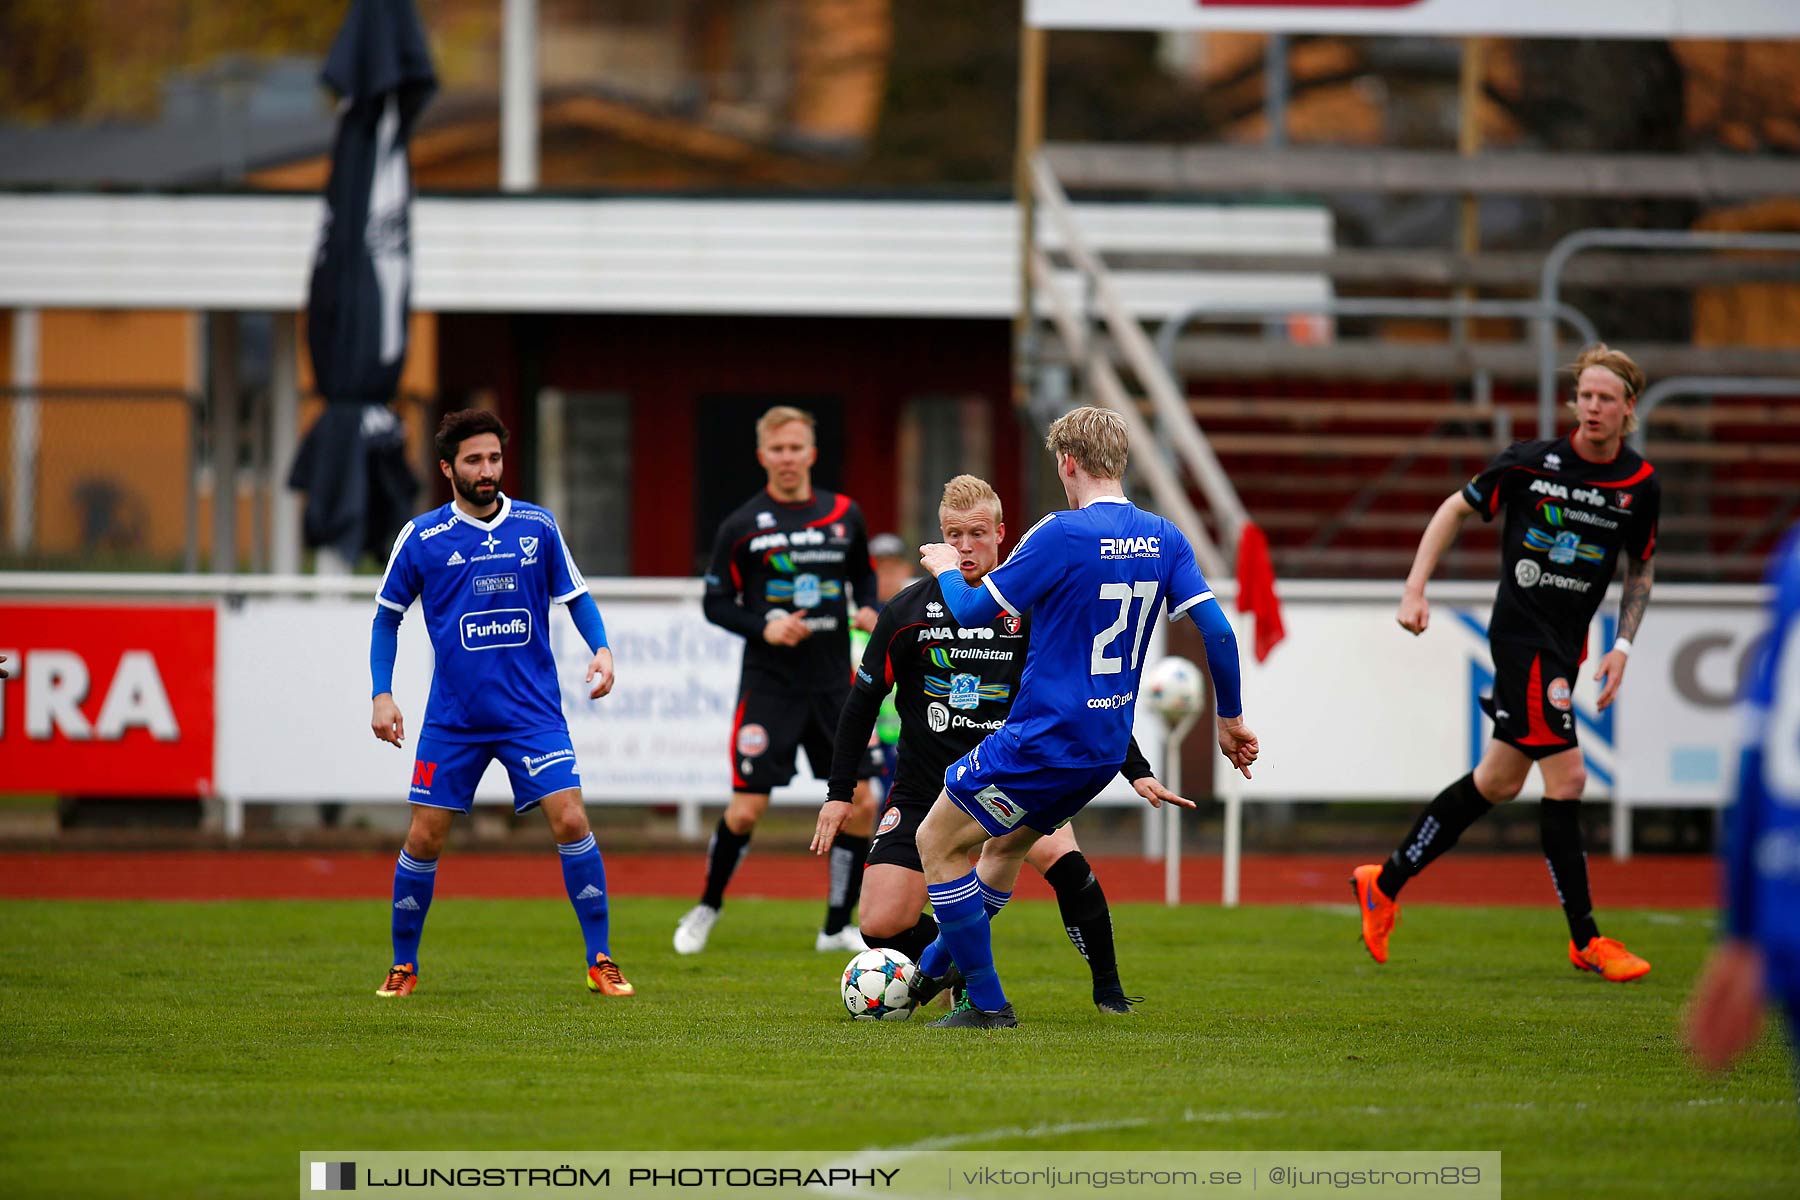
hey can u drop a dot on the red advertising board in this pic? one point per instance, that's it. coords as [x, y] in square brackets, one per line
[107, 699]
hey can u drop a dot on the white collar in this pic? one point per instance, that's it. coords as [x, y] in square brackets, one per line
[1107, 500]
[500, 514]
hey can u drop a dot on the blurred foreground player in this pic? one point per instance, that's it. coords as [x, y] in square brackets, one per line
[783, 567]
[1092, 579]
[955, 685]
[1573, 504]
[485, 569]
[1760, 959]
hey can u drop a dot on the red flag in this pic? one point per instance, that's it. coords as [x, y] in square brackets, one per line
[1256, 589]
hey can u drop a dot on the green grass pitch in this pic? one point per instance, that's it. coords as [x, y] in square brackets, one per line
[194, 1049]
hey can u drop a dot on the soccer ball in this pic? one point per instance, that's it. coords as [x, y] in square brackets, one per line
[877, 985]
[1173, 689]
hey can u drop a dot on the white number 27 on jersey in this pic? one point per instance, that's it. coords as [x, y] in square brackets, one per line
[1101, 663]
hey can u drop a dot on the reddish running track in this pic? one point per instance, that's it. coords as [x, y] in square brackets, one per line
[1663, 881]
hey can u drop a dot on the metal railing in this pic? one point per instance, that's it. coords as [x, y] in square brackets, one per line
[1550, 282]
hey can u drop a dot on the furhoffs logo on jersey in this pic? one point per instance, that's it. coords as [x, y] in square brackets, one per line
[496, 629]
[1558, 694]
[1131, 547]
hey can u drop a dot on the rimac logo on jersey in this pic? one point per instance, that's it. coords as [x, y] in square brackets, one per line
[1131, 547]
[495, 629]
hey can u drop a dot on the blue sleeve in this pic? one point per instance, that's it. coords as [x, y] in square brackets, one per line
[1187, 586]
[400, 582]
[1221, 656]
[969, 605]
[566, 582]
[1028, 573]
[587, 619]
[384, 644]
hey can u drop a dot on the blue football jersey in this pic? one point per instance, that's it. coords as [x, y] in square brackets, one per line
[486, 588]
[1765, 825]
[1093, 580]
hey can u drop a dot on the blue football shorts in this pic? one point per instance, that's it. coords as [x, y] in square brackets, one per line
[445, 773]
[1003, 791]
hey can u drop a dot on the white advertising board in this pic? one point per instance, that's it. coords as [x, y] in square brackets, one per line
[294, 706]
[1350, 706]
[1455, 18]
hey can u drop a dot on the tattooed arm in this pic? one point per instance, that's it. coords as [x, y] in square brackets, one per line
[1638, 576]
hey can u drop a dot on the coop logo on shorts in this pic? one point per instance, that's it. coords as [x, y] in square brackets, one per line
[1000, 806]
[1527, 573]
[937, 716]
[1558, 694]
[752, 740]
[496, 629]
[890, 821]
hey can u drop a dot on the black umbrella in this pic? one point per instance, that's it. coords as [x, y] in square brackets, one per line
[352, 464]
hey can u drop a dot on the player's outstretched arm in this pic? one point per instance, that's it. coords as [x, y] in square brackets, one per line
[1639, 575]
[1446, 523]
[384, 645]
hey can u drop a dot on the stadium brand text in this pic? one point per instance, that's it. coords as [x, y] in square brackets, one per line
[57, 684]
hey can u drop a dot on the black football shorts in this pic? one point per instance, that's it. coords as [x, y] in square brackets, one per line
[1533, 705]
[771, 724]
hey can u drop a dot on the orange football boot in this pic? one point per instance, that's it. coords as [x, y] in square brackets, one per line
[606, 978]
[401, 980]
[1609, 959]
[1379, 914]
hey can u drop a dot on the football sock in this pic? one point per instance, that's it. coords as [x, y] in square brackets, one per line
[1086, 918]
[963, 930]
[910, 942]
[413, 881]
[1559, 824]
[1451, 812]
[992, 898]
[584, 875]
[847, 856]
[723, 854]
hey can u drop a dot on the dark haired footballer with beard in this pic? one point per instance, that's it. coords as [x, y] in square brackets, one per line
[485, 569]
